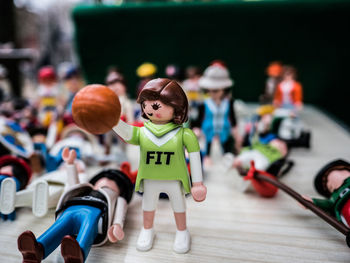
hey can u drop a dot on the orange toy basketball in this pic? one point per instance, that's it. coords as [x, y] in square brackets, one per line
[96, 109]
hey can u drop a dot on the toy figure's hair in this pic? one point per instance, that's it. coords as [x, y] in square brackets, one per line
[289, 70]
[170, 93]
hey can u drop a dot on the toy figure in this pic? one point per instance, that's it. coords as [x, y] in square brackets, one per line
[5, 86]
[191, 84]
[162, 162]
[48, 95]
[174, 72]
[73, 83]
[216, 116]
[289, 92]
[333, 182]
[19, 171]
[145, 72]
[273, 71]
[80, 210]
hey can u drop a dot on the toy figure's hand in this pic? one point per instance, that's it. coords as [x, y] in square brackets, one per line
[199, 192]
[115, 233]
[197, 131]
[69, 156]
[308, 198]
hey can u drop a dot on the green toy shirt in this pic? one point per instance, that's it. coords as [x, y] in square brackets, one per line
[162, 155]
[337, 200]
[270, 152]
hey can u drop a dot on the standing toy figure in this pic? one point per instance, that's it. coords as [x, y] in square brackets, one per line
[162, 140]
[47, 95]
[81, 209]
[162, 163]
[216, 116]
[145, 72]
[289, 93]
[273, 71]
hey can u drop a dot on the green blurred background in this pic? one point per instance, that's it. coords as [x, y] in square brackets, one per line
[311, 35]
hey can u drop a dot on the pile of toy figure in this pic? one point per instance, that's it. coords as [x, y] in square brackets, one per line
[44, 156]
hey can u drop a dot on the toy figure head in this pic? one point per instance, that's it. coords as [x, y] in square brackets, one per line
[115, 180]
[331, 177]
[274, 69]
[193, 72]
[17, 167]
[47, 76]
[72, 79]
[216, 80]
[115, 81]
[289, 73]
[163, 101]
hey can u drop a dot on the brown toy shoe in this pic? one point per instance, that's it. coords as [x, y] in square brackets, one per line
[71, 251]
[31, 250]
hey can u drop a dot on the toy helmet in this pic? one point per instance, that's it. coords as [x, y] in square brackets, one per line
[47, 73]
[12, 160]
[146, 70]
[274, 69]
[121, 179]
[215, 77]
[265, 109]
[322, 176]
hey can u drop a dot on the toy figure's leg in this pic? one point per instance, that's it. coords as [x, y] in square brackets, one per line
[182, 243]
[9, 187]
[88, 217]
[149, 203]
[65, 225]
[40, 199]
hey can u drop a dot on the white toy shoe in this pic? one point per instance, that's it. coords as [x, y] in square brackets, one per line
[145, 240]
[182, 243]
[8, 196]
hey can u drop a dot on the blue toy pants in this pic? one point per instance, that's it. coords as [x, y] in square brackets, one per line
[80, 220]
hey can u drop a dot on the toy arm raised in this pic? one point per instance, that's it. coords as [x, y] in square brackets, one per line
[124, 130]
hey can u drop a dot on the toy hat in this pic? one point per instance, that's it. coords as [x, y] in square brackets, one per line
[146, 70]
[265, 109]
[321, 177]
[23, 178]
[215, 77]
[274, 69]
[124, 183]
[16, 140]
[71, 71]
[47, 73]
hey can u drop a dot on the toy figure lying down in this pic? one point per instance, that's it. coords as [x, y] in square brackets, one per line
[41, 194]
[332, 181]
[94, 212]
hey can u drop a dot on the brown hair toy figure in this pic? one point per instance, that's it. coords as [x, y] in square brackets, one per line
[162, 162]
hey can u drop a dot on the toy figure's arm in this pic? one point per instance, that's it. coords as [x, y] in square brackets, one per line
[69, 157]
[324, 204]
[115, 232]
[127, 132]
[278, 97]
[298, 96]
[198, 190]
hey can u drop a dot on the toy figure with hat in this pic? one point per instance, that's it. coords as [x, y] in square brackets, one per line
[82, 208]
[216, 116]
[146, 71]
[273, 72]
[48, 95]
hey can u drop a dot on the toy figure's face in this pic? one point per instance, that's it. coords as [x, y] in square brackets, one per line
[6, 170]
[105, 182]
[216, 94]
[264, 123]
[118, 88]
[336, 178]
[158, 112]
[74, 84]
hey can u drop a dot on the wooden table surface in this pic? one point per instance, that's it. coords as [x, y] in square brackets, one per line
[230, 226]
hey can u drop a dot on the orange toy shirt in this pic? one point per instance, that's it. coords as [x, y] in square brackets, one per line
[289, 92]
